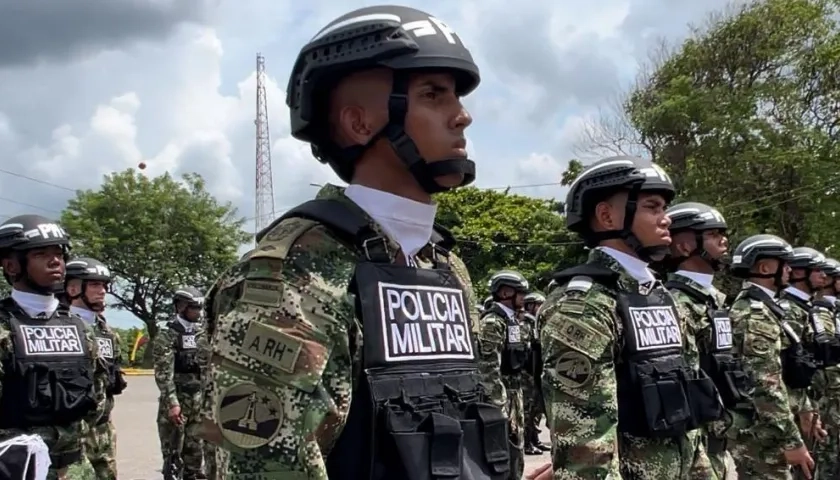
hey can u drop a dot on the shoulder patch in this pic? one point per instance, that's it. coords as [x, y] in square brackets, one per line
[249, 416]
[574, 369]
[271, 346]
[579, 284]
[756, 305]
[581, 337]
[277, 242]
[264, 293]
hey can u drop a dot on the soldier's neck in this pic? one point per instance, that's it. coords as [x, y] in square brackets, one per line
[698, 265]
[803, 287]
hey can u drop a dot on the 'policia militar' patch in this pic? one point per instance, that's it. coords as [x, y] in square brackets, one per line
[106, 347]
[52, 340]
[424, 323]
[249, 416]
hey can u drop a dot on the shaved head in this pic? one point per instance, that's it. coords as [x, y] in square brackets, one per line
[359, 106]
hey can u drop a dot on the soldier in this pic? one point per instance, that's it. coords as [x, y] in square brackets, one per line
[762, 337]
[344, 343]
[178, 374]
[828, 453]
[699, 248]
[503, 347]
[806, 280]
[52, 377]
[87, 282]
[623, 398]
[530, 388]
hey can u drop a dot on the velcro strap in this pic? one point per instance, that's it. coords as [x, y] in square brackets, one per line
[446, 446]
[65, 459]
[494, 433]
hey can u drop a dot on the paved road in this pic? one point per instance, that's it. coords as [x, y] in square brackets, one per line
[138, 448]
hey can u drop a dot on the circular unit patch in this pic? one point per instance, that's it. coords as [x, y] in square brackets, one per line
[574, 369]
[249, 416]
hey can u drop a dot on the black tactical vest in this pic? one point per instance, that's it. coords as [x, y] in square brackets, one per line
[823, 347]
[515, 348]
[825, 308]
[110, 354]
[659, 394]
[48, 381]
[186, 349]
[798, 365]
[534, 362]
[718, 360]
[418, 410]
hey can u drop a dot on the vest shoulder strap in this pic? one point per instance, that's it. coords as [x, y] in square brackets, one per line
[691, 292]
[581, 277]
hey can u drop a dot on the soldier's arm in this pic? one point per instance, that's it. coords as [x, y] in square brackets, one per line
[491, 339]
[757, 338]
[100, 377]
[164, 355]
[799, 398]
[579, 385]
[461, 271]
[291, 336]
[5, 352]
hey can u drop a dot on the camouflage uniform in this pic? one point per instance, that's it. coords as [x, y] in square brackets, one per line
[800, 398]
[826, 389]
[699, 328]
[65, 439]
[292, 287]
[506, 390]
[530, 393]
[581, 345]
[758, 338]
[184, 390]
[101, 436]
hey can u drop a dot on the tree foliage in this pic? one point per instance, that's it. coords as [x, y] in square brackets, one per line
[155, 234]
[498, 230]
[744, 115]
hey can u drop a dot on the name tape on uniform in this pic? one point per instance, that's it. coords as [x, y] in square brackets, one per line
[106, 347]
[655, 328]
[424, 323]
[723, 333]
[52, 340]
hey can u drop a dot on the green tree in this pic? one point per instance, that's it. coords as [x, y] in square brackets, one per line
[743, 115]
[155, 234]
[497, 230]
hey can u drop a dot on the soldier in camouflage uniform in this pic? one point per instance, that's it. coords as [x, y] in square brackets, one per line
[774, 360]
[503, 347]
[87, 282]
[320, 368]
[530, 392]
[608, 326]
[698, 251]
[179, 367]
[828, 453]
[51, 377]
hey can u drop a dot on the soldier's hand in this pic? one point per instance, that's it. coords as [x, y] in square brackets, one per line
[799, 457]
[542, 473]
[175, 415]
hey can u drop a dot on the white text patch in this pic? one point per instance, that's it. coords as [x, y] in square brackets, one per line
[655, 328]
[188, 342]
[52, 340]
[106, 347]
[424, 323]
[723, 333]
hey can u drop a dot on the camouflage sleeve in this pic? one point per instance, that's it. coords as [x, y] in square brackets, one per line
[5, 352]
[290, 344]
[461, 271]
[490, 340]
[164, 357]
[693, 323]
[579, 384]
[758, 339]
[100, 377]
[799, 398]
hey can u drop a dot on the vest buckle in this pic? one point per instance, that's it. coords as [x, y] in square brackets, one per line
[376, 252]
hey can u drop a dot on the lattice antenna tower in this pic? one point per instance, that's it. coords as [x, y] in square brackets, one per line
[264, 180]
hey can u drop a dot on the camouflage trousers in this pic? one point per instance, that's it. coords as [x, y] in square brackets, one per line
[757, 460]
[101, 450]
[722, 463]
[827, 454]
[533, 409]
[516, 419]
[191, 445]
[215, 462]
[680, 458]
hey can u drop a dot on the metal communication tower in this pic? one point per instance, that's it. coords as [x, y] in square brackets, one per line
[264, 180]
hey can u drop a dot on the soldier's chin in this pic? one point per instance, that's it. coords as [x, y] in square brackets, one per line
[97, 307]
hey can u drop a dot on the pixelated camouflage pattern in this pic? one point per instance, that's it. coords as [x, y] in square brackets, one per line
[504, 390]
[797, 318]
[181, 389]
[826, 389]
[758, 339]
[308, 271]
[100, 439]
[698, 327]
[59, 439]
[581, 406]
[530, 394]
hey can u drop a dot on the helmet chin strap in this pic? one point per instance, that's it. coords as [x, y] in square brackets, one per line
[647, 254]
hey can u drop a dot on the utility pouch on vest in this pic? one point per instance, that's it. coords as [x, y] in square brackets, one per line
[186, 350]
[418, 411]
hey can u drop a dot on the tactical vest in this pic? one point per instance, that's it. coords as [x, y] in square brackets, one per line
[186, 349]
[717, 360]
[515, 348]
[48, 379]
[659, 394]
[418, 410]
[534, 363]
[798, 366]
[825, 308]
[824, 347]
[110, 355]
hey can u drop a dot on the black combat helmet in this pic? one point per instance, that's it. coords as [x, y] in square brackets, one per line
[87, 270]
[758, 247]
[809, 260]
[26, 232]
[697, 217]
[507, 278]
[401, 39]
[189, 295]
[602, 179]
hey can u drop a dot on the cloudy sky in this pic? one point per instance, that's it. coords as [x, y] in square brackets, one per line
[89, 87]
